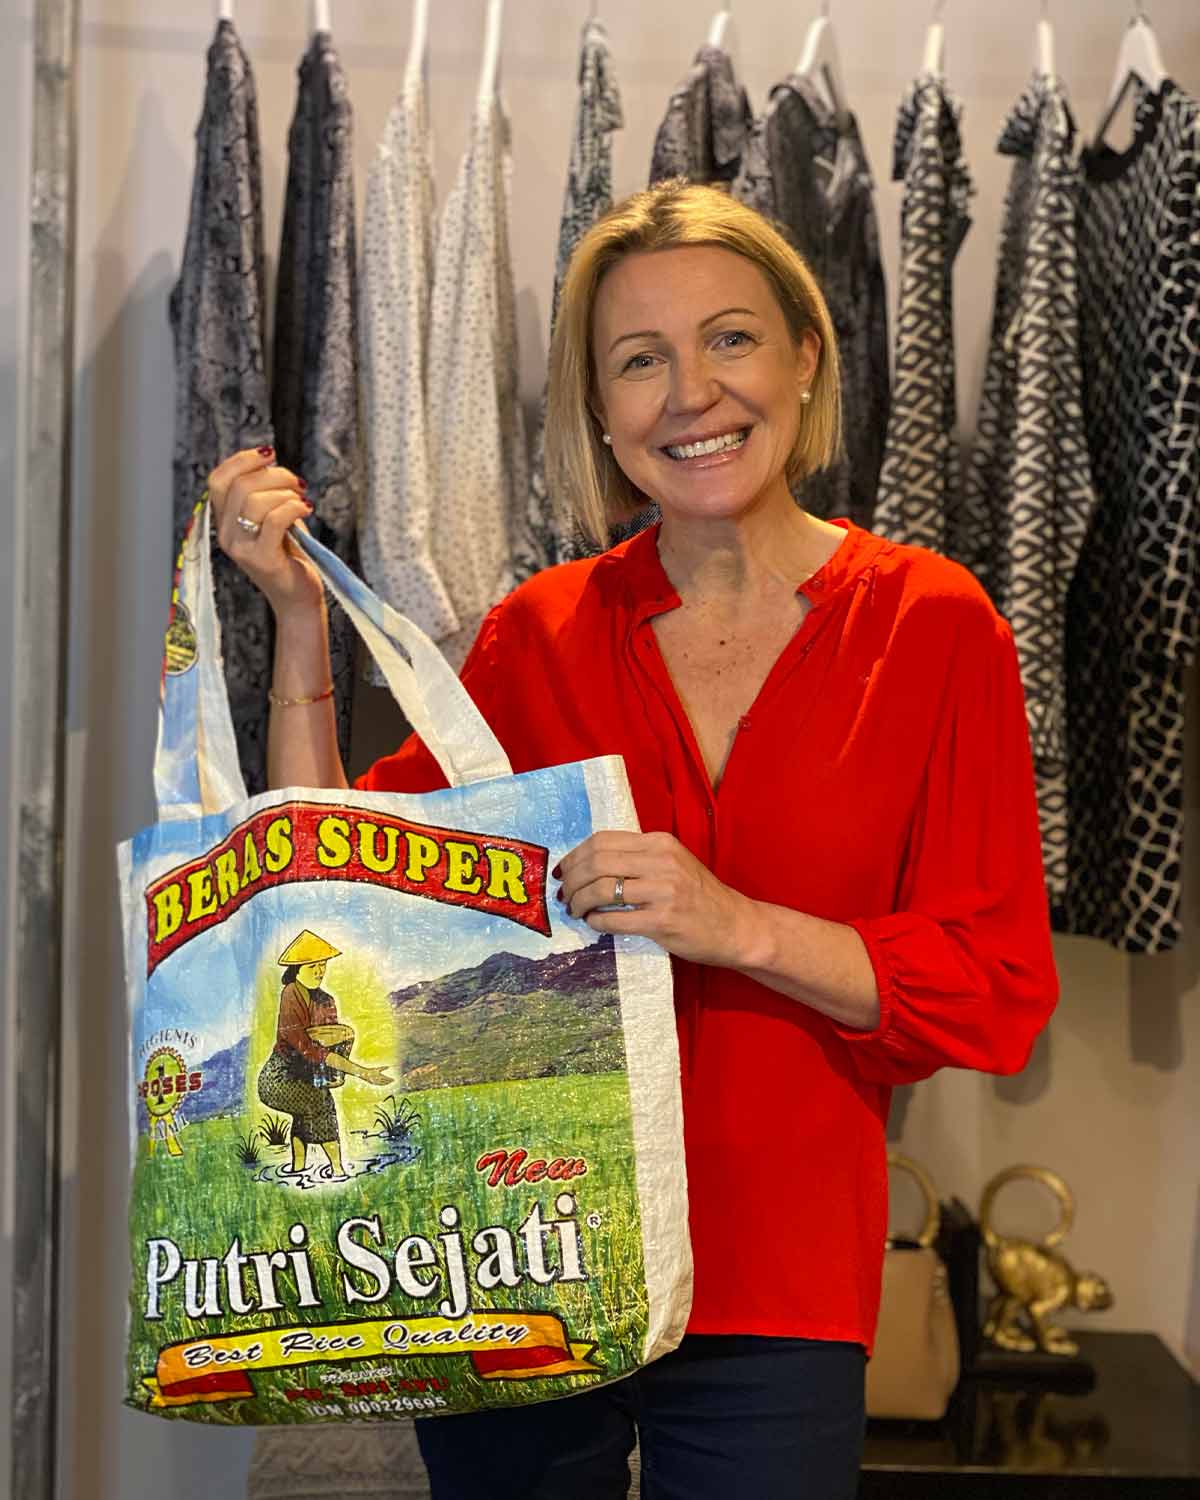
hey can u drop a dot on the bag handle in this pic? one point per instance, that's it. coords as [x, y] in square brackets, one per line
[196, 767]
[923, 1180]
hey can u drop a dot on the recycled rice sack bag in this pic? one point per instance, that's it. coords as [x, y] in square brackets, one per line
[406, 1139]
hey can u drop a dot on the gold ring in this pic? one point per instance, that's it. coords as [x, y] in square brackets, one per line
[253, 527]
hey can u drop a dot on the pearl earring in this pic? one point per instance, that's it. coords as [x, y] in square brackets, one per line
[608, 438]
[805, 397]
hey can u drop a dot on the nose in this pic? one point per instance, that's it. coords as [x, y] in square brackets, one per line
[694, 386]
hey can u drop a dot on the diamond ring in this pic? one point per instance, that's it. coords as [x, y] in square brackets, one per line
[253, 527]
[619, 891]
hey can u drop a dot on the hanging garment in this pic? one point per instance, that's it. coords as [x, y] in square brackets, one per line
[706, 126]
[216, 311]
[1133, 606]
[399, 234]
[920, 481]
[1028, 494]
[314, 397]
[476, 429]
[805, 168]
[548, 535]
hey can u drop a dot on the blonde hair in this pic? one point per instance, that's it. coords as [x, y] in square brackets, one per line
[581, 471]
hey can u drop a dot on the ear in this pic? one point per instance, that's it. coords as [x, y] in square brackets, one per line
[808, 357]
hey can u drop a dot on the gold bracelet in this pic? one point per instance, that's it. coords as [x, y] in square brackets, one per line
[296, 702]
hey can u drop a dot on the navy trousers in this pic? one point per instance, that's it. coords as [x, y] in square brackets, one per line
[721, 1418]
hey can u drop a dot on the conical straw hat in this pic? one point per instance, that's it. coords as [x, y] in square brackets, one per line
[308, 948]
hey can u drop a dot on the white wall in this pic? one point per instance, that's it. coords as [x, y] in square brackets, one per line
[1111, 1098]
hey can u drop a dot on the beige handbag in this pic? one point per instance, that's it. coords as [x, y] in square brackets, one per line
[915, 1366]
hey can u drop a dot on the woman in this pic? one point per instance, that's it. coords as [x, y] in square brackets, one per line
[296, 1075]
[826, 741]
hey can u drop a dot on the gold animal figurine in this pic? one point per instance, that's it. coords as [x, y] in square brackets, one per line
[1033, 1279]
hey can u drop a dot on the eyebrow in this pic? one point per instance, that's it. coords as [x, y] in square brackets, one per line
[654, 333]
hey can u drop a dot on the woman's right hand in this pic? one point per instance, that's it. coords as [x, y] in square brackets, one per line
[252, 485]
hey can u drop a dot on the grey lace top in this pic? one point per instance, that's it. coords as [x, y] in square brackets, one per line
[805, 167]
[221, 402]
[315, 389]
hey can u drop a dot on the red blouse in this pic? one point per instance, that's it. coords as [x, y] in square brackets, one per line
[882, 778]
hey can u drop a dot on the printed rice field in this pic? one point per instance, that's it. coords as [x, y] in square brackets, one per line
[210, 1204]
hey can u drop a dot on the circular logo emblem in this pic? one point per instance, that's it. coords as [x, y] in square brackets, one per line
[159, 1084]
[180, 649]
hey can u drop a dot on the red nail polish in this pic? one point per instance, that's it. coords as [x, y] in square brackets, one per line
[556, 872]
[266, 452]
[309, 507]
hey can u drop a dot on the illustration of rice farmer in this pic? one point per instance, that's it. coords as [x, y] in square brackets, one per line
[311, 1054]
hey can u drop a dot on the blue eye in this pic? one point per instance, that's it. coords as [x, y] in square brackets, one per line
[734, 333]
[632, 364]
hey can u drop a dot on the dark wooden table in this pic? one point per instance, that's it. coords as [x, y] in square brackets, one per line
[1134, 1434]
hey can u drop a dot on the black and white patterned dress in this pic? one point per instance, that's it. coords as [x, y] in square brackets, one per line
[806, 169]
[920, 481]
[1029, 494]
[1133, 607]
[314, 397]
[221, 399]
[548, 536]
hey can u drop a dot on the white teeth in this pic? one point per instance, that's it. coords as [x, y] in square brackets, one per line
[711, 445]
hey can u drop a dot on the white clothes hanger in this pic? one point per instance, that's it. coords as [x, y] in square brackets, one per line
[418, 42]
[935, 43]
[1139, 58]
[1044, 54]
[720, 24]
[490, 68]
[821, 62]
[318, 16]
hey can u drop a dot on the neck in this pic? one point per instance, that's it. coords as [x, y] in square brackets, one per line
[772, 546]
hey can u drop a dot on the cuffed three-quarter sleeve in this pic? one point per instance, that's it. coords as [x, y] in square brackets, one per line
[964, 965]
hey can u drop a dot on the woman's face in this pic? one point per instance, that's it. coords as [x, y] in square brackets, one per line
[310, 975]
[690, 346]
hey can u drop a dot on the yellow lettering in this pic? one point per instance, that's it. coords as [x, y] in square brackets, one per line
[381, 864]
[203, 903]
[225, 866]
[333, 843]
[506, 872]
[461, 860]
[279, 844]
[423, 854]
[168, 912]
[251, 869]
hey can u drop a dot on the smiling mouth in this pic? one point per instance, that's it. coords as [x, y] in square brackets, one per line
[726, 443]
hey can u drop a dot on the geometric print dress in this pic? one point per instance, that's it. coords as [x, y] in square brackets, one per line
[1134, 603]
[920, 482]
[1028, 496]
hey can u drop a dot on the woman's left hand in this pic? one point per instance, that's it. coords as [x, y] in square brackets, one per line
[680, 904]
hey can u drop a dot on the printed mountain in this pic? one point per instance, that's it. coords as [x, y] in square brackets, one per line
[512, 1017]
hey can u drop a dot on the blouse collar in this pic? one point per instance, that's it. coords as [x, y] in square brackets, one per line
[652, 593]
